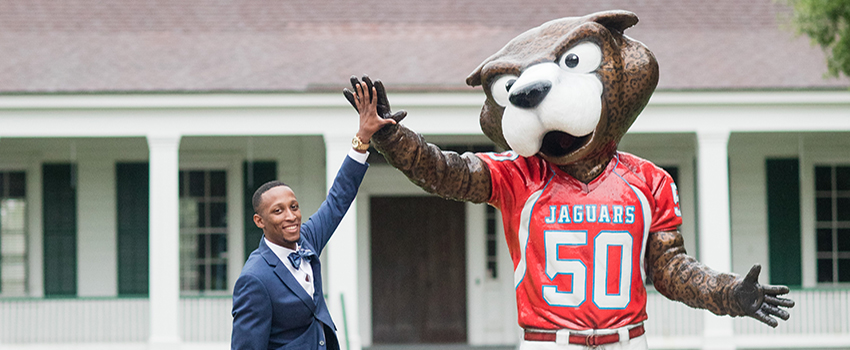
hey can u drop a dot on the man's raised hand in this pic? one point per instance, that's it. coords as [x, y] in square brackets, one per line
[377, 89]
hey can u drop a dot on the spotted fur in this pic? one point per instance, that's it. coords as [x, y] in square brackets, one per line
[629, 74]
[462, 177]
[680, 277]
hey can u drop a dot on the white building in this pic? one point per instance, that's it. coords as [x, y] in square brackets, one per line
[132, 137]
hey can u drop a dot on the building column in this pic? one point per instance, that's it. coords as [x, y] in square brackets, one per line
[164, 241]
[715, 233]
[341, 281]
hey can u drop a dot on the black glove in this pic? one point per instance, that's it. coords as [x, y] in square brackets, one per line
[760, 302]
[383, 107]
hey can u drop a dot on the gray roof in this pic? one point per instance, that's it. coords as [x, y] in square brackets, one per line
[288, 45]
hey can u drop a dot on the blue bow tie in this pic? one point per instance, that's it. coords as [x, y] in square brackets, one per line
[295, 257]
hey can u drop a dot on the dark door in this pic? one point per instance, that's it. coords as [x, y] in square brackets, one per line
[418, 270]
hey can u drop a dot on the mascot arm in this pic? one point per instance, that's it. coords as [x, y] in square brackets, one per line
[447, 174]
[463, 177]
[680, 277]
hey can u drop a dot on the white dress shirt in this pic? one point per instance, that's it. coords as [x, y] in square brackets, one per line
[304, 274]
[358, 157]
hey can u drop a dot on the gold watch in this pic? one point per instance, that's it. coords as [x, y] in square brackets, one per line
[359, 145]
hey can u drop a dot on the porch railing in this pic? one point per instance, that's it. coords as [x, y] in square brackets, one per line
[207, 319]
[79, 320]
[820, 319]
[108, 320]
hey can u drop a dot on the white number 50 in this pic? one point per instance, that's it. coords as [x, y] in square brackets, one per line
[578, 294]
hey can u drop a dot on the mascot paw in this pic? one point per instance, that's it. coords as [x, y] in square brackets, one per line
[761, 301]
[384, 110]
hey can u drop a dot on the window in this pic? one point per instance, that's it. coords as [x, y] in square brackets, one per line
[13, 234]
[832, 212]
[203, 230]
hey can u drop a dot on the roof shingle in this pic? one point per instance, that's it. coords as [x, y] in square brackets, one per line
[218, 45]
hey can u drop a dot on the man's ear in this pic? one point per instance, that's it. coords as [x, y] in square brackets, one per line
[258, 220]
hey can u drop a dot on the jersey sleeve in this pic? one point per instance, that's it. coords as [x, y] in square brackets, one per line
[667, 215]
[499, 164]
[510, 176]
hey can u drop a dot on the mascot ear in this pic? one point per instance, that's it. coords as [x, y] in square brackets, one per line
[474, 78]
[616, 21]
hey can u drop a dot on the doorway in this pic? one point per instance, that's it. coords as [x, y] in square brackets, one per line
[418, 269]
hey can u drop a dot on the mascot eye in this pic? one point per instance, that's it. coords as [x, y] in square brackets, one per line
[501, 87]
[571, 60]
[582, 58]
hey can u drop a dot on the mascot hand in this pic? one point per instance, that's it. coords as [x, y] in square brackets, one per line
[383, 107]
[761, 301]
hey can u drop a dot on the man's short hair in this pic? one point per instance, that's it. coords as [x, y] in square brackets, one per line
[258, 194]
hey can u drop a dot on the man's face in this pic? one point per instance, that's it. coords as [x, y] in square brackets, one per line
[279, 216]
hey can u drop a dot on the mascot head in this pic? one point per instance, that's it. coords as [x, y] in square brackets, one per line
[567, 90]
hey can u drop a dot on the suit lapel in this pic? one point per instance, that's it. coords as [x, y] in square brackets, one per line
[317, 273]
[285, 276]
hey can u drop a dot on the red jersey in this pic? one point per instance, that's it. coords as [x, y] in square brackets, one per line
[578, 249]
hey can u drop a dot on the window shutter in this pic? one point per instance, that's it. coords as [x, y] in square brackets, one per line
[132, 192]
[60, 229]
[261, 173]
[783, 221]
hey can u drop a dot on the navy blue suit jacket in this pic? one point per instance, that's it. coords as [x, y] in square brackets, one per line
[270, 308]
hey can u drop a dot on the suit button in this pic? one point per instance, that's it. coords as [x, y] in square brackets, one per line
[321, 343]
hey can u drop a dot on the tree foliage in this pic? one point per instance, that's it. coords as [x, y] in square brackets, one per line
[827, 23]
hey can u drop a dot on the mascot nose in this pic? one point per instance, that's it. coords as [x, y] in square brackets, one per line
[530, 95]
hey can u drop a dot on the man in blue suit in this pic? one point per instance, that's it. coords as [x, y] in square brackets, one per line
[278, 301]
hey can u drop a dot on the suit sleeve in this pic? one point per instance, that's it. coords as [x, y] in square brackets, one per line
[252, 316]
[321, 225]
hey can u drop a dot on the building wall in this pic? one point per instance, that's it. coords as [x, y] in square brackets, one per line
[300, 160]
[747, 155]
[748, 195]
[661, 135]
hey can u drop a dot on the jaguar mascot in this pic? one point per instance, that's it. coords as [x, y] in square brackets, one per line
[586, 225]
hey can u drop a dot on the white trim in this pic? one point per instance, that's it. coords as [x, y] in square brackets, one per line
[476, 274]
[429, 113]
[750, 98]
[335, 100]
[225, 101]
